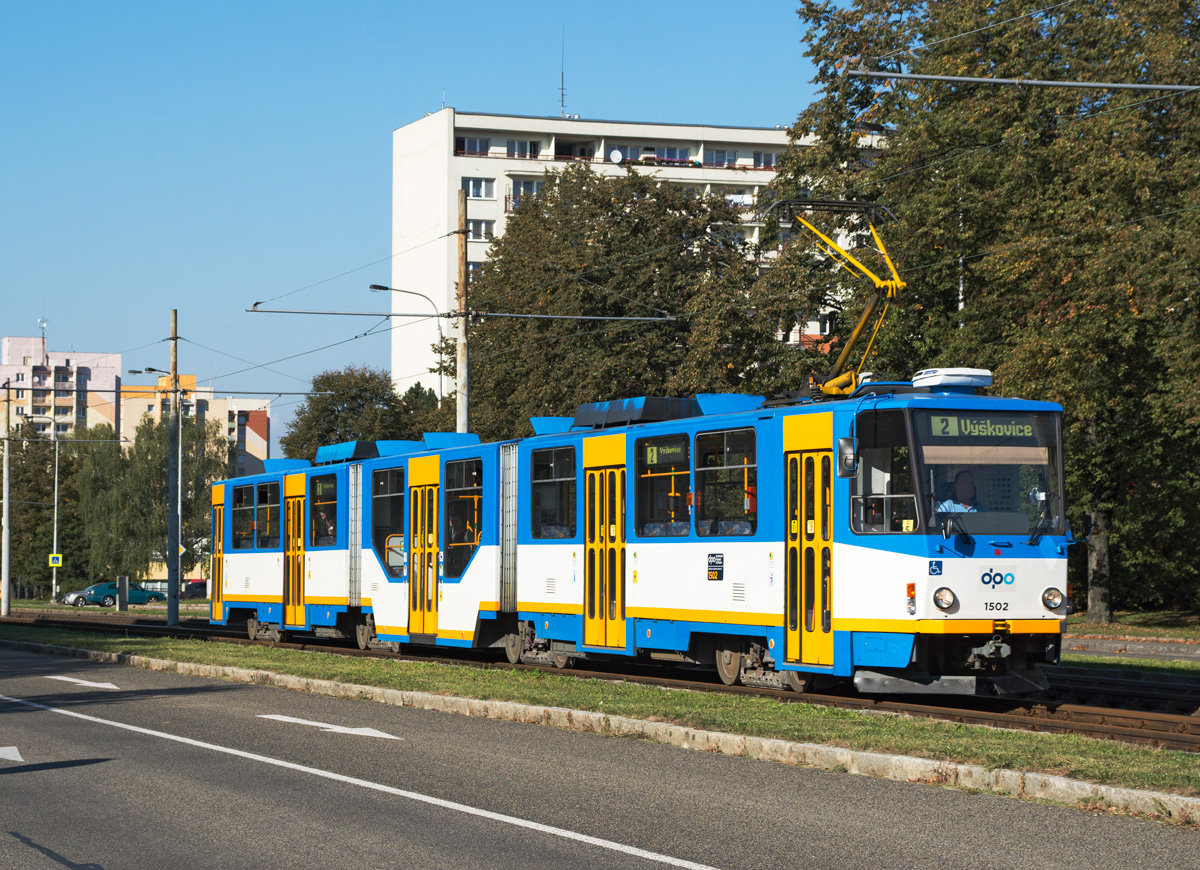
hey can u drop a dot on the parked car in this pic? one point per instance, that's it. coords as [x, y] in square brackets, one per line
[105, 594]
[194, 589]
[78, 599]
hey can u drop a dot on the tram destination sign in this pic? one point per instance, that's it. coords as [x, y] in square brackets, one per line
[963, 427]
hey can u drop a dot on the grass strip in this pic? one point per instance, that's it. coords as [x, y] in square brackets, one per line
[1171, 624]
[1162, 667]
[1098, 761]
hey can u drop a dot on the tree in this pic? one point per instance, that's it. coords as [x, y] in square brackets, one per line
[359, 404]
[623, 247]
[124, 494]
[1044, 233]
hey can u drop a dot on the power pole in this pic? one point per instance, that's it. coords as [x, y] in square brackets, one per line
[173, 481]
[7, 557]
[463, 373]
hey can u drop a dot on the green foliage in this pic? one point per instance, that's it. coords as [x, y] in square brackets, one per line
[361, 405]
[620, 247]
[124, 493]
[1062, 221]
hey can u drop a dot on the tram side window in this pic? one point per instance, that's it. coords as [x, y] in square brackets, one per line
[664, 492]
[553, 489]
[882, 499]
[464, 512]
[322, 501]
[267, 525]
[243, 517]
[387, 518]
[726, 483]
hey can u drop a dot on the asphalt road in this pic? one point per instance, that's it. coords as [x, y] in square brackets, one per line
[161, 770]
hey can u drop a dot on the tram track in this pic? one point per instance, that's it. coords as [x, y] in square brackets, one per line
[1161, 714]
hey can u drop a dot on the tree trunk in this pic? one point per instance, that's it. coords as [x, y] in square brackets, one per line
[1099, 569]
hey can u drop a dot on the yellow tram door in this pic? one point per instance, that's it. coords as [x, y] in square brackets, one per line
[423, 546]
[293, 550]
[604, 571]
[217, 572]
[808, 586]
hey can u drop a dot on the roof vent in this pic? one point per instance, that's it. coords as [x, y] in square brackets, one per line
[952, 378]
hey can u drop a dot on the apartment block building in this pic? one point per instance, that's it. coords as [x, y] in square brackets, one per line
[63, 390]
[501, 159]
[246, 423]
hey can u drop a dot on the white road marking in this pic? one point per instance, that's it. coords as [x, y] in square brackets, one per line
[336, 729]
[386, 789]
[85, 682]
[10, 753]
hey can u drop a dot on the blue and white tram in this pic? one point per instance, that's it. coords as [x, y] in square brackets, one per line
[909, 538]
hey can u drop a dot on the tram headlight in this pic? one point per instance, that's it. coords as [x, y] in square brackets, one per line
[944, 598]
[1052, 598]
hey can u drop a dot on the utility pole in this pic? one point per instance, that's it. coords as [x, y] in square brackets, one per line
[7, 535]
[173, 481]
[462, 370]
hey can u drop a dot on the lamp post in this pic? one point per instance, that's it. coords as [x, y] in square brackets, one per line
[380, 288]
[174, 487]
[54, 546]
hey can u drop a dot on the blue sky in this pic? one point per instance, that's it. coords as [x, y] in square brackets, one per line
[204, 156]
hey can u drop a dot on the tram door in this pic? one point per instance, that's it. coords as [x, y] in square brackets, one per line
[217, 574]
[604, 569]
[809, 586]
[293, 550]
[423, 562]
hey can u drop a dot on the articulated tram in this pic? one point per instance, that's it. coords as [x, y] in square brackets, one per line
[909, 537]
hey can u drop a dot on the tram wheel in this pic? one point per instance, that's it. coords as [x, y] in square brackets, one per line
[797, 681]
[364, 632]
[729, 666]
[512, 648]
[252, 628]
[562, 660]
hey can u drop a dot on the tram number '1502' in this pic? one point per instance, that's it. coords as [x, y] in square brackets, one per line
[995, 605]
[716, 566]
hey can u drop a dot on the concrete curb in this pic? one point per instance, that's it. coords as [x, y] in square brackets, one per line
[895, 767]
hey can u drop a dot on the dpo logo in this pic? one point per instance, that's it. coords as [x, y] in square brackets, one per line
[995, 578]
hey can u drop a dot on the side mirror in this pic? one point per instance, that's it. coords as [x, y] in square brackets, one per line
[847, 465]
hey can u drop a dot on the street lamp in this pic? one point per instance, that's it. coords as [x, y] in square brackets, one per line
[174, 481]
[380, 288]
[54, 547]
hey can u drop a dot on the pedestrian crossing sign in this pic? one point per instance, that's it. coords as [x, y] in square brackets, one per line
[56, 560]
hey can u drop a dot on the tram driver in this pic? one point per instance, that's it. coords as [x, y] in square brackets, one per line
[963, 499]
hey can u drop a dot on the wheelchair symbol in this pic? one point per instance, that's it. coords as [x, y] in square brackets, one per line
[935, 567]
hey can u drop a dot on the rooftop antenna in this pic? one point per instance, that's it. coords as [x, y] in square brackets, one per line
[562, 75]
[43, 322]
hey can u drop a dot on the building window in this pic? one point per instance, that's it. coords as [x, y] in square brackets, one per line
[62, 378]
[673, 155]
[470, 146]
[718, 157]
[478, 231]
[726, 499]
[479, 188]
[464, 497]
[267, 527]
[553, 489]
[322, 496]
[473, 270]
[524, 149]
[40, 409]
[522, 189]
[81, 411]
[628, 152]
[20, 412]
[62, 428]
[764, 159]
[60, 410]
[387, 519]
[663, 487]
[21, 375]
[20, 394]
[62, 394]
[243, 517]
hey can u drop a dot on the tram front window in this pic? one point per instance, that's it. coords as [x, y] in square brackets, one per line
[992, 473]
[882, 497]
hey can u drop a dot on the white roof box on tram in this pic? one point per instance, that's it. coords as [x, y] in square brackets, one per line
[952, 378]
